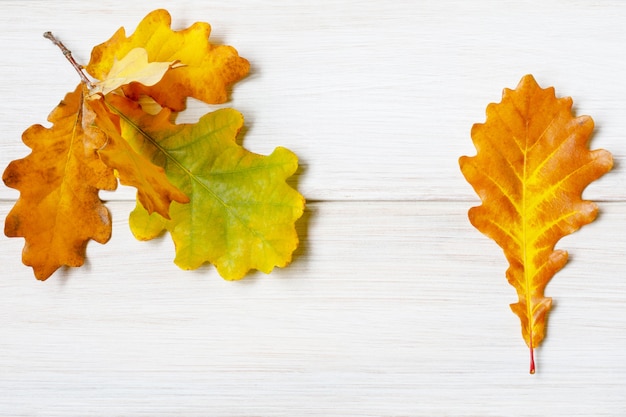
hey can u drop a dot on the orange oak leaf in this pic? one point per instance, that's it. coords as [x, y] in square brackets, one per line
[59, 210]
[531, 167]
[154, 190]
[207, 69]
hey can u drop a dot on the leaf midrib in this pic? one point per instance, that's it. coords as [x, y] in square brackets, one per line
[524, 214]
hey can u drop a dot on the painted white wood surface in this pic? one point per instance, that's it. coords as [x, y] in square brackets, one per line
[394, 305]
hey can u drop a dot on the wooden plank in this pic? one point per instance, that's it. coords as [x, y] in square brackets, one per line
[388, 309]
[394, 304]
[376, 98]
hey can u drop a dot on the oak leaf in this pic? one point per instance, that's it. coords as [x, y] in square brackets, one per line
[207, 72]
[241, 213]
[59, 210]
[531, 167]
[154, 190]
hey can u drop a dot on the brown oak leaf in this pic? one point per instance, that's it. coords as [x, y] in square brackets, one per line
[59, 210]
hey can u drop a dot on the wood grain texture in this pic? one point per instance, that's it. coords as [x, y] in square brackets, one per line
[394, 305]
[402, 310]
[391, 86]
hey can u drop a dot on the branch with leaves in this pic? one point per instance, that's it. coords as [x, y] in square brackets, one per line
[221, 203]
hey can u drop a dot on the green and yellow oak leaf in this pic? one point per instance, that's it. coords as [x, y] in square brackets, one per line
[531, 167]
[59, 210]
[207, 71]
[241, 214]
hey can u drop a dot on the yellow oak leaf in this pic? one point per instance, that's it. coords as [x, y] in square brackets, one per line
[133, 67]
[154, 190]
[59, 210]
[241, 213]
[531, 167]
[207, 72]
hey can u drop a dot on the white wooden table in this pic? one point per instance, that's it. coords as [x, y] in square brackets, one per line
[394, 305]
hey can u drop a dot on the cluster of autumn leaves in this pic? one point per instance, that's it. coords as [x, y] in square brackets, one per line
[232, 208]
[221, 203]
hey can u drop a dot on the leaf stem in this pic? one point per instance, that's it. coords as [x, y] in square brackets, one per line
[532, 361]
[68, 55]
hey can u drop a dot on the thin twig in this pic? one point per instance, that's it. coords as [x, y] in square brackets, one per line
[68, 55]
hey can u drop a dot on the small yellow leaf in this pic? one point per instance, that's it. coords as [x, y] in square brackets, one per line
[134, 67]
